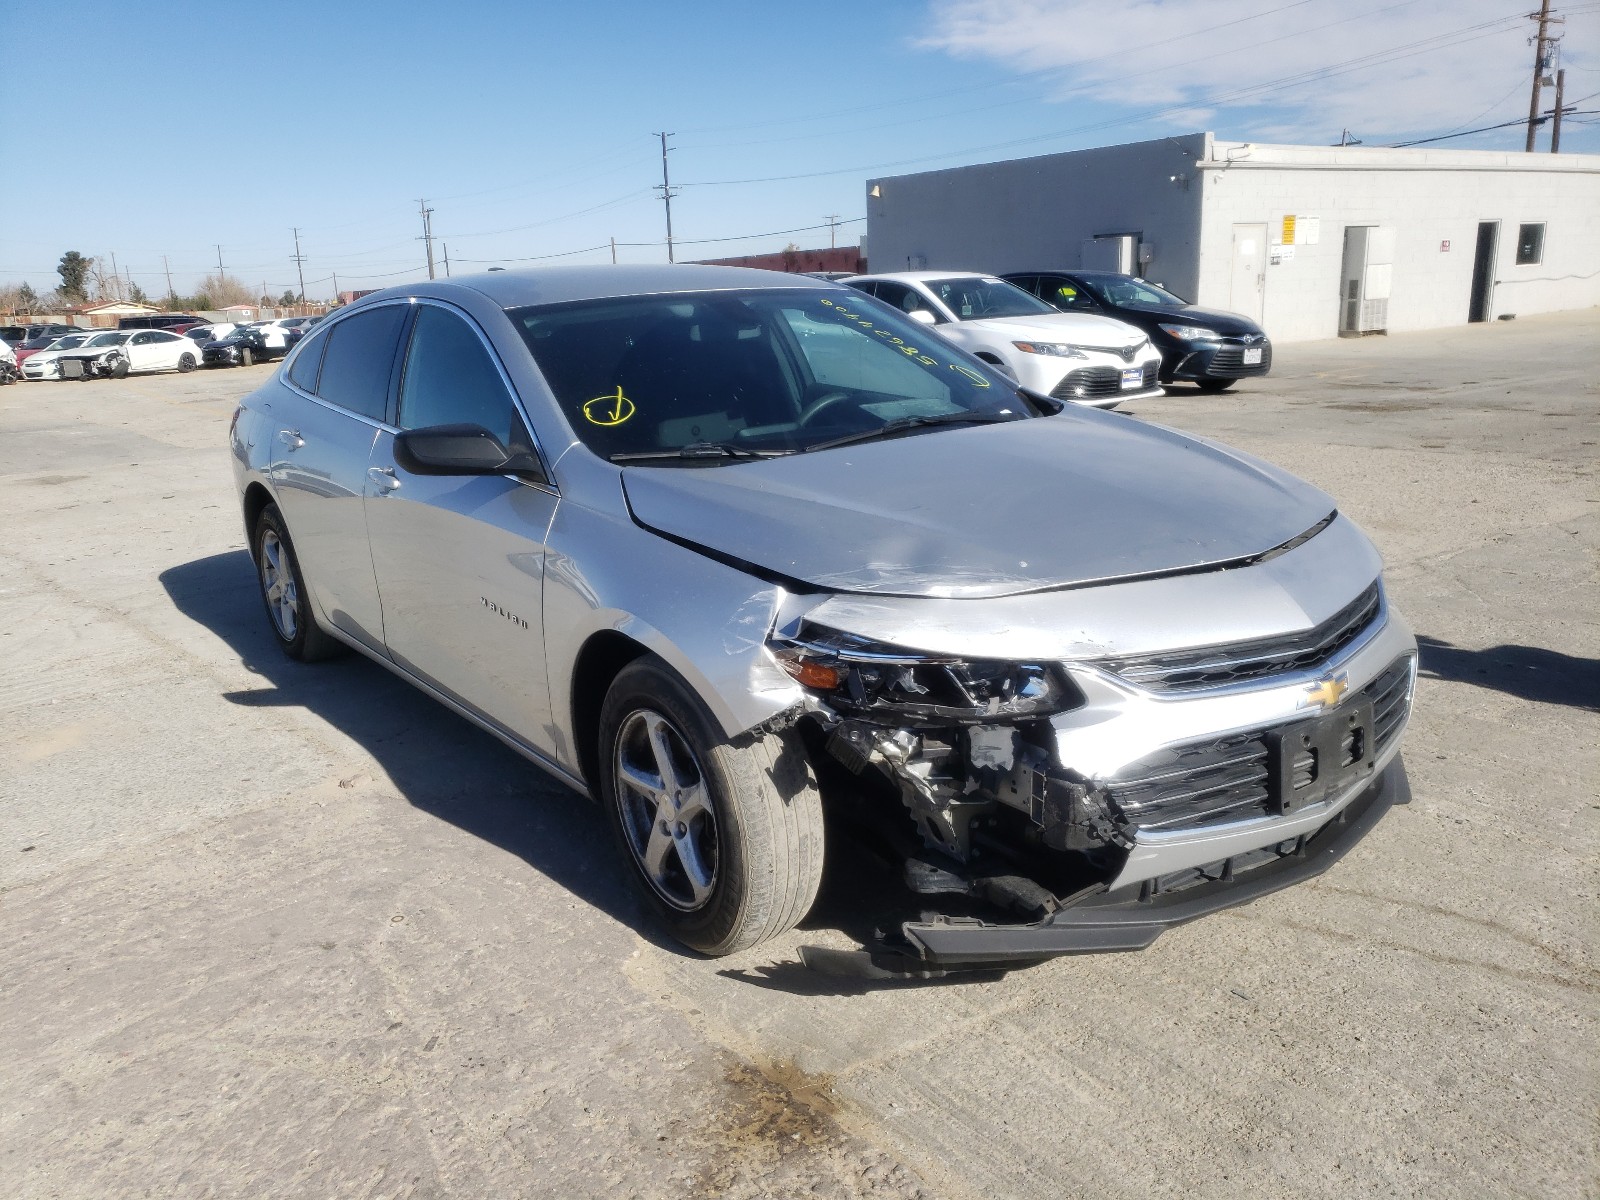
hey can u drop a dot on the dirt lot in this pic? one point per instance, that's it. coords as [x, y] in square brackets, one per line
[271, 929]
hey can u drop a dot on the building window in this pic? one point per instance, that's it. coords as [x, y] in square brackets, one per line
[1530, 244]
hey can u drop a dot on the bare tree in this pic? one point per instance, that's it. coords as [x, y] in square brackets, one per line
[104, 285]
[222, 290]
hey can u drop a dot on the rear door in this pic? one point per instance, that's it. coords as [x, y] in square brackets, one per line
[324, 426]
[460, 559]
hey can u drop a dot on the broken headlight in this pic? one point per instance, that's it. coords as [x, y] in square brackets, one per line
[889, 683]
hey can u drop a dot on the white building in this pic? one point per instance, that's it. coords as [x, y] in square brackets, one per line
[1312, 241]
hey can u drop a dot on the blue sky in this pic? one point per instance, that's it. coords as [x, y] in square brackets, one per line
[529, 126]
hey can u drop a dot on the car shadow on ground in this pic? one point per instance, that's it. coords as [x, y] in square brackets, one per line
[439, 762]
[448, 767]
[1527, 672]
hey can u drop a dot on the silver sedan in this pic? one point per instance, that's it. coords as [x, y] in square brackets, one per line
[714, 546]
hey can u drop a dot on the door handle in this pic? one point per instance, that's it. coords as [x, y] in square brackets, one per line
[384, 478]
[291, 438]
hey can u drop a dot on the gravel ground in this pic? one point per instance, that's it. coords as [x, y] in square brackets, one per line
[274, 929]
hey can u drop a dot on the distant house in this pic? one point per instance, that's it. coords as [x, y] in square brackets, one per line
[239, 313]
[106, 314]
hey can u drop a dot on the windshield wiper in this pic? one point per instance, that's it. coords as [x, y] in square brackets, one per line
[902, 424]
[696, 450]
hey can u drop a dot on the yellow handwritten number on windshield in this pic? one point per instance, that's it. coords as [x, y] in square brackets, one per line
[609, 410]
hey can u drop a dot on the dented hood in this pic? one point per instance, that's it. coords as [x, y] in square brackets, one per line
[992, 510]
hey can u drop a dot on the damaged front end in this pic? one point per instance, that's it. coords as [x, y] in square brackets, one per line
[968, 747]
[1211, 798]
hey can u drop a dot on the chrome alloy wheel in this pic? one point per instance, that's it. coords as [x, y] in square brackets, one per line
[666, 811]
[277, 584]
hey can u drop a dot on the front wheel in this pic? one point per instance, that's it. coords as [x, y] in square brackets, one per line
[724, 838]
[283, 591]
[246, 356]
[1215, 385]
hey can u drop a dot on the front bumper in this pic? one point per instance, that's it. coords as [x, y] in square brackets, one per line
[1195, 361]
[1130, 918]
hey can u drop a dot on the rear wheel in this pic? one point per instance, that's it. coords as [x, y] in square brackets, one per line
[1215, 385]
[186, 362]
[724, 838]
[283, 592]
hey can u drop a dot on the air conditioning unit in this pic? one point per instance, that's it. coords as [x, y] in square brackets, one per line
[1367, 276]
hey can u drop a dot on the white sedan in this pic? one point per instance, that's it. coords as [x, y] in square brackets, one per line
[124, 351]
[1086, 359]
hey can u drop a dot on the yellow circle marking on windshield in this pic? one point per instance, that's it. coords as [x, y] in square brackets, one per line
[609, 410]
[970, 374]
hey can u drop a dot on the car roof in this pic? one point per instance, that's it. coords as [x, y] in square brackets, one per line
[926, 276]
[558, 285]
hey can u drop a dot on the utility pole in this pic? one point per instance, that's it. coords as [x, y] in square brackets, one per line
[833, 230]
[666, 192]
[1555, 121]
[168, 270]
[446, 259]
[116, 274]
[220, 272]
[613, 252]
[299, 265]
[336, 287]
[1542, 42]
[427, 231]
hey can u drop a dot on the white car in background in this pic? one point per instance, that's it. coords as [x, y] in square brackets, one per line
[126, 351]
[201, 334]
[1070, 356]
[45, 364]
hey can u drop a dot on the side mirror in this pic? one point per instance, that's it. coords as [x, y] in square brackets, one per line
[923, 317]
[461, 450]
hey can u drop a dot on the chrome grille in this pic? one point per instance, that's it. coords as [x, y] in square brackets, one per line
[1096, 383]
[1211, 666]
[1229, 779]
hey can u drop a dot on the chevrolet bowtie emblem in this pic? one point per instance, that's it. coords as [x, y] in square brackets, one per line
[1326, 692]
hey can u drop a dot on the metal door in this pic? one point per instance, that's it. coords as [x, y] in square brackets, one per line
[1249, 277]
[1482, 303]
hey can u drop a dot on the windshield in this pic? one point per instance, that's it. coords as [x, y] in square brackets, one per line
[725, 375]
[1126, 290]
[973, 298]
[69, 342]
[109, 339]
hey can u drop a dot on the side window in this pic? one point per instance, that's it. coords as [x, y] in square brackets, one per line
[358, 360]
[141, 339]
[1028, 283]
[870, 287]
[303, 371]
[450, 379]
[1066, 295]
[902, 297]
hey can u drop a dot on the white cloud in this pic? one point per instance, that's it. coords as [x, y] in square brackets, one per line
[1437, 73]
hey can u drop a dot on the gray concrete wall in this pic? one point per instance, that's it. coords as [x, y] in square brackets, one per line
[1036, 212]
[1430, 198]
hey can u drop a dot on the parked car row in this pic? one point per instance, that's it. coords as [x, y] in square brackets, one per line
[1092, 337]
[113, 353]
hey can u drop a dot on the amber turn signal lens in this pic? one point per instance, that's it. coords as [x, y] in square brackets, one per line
[812, 674]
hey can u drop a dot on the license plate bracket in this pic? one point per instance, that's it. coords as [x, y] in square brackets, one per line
[1314, 760]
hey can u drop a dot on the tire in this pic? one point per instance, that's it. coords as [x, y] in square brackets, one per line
[119, 369]
[745, 865]
[247, 357]
[1214, 385]
[186, 363]
[283, 591]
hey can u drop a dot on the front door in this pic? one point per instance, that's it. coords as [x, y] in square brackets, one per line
[460, 559]
[1249, 277]
[1482, 302]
